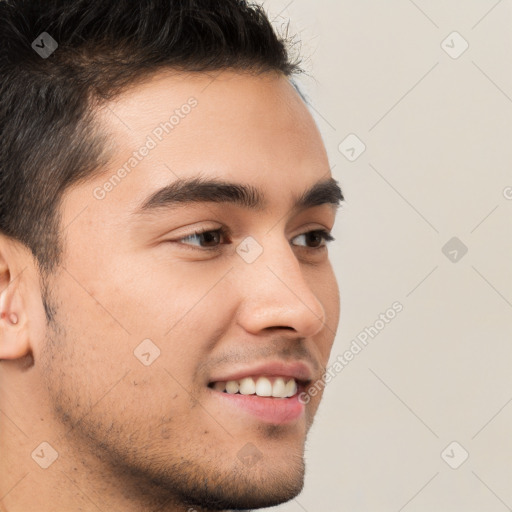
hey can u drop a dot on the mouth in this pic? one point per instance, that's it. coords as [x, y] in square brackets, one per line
[263, 386]
[267, 398]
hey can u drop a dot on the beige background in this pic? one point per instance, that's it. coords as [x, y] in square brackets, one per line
[437, 164]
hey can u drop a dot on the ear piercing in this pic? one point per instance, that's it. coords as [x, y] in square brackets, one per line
[13, 318]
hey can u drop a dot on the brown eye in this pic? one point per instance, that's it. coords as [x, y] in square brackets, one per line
[207, 239]
[315, 239]
[210, 238]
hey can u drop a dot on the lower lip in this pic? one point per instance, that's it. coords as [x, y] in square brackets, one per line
[278, 411]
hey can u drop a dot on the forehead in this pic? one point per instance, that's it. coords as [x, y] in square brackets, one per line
[236, 127]
[233, 95]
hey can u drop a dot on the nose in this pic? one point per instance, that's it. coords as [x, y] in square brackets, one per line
[277, 294]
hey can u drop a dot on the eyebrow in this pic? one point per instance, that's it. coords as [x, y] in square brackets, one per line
[186, 191]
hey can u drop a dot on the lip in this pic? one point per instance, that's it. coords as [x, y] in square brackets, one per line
[276, 411]
[298, 370]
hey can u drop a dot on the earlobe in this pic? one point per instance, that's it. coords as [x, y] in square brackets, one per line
[13, 317]
[14, 338]
[14, 343]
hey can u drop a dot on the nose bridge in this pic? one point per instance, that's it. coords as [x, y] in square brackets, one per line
[278, 295]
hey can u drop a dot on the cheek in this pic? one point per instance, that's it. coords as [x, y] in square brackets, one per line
[156, 295]
[134, 298]
[332, 296]
[97, 382]
[324, 285]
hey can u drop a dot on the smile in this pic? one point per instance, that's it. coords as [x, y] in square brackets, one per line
[271, 399]
[277, 387]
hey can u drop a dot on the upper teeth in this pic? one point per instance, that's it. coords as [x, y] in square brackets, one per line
[261, 386]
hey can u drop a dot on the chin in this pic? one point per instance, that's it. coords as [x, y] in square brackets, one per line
[249, 490]
[220, 484]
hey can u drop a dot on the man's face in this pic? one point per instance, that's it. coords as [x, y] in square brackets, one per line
[151, 321]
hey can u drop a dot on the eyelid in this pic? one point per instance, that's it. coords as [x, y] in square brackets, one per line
[223, 230]
[226, 232]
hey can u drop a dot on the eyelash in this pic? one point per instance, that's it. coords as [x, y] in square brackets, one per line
[324, 234]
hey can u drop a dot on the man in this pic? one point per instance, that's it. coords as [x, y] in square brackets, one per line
[166, 292]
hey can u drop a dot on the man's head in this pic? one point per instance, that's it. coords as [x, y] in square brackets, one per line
[164, 202]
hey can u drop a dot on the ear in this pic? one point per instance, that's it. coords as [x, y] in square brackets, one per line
[14, 332]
